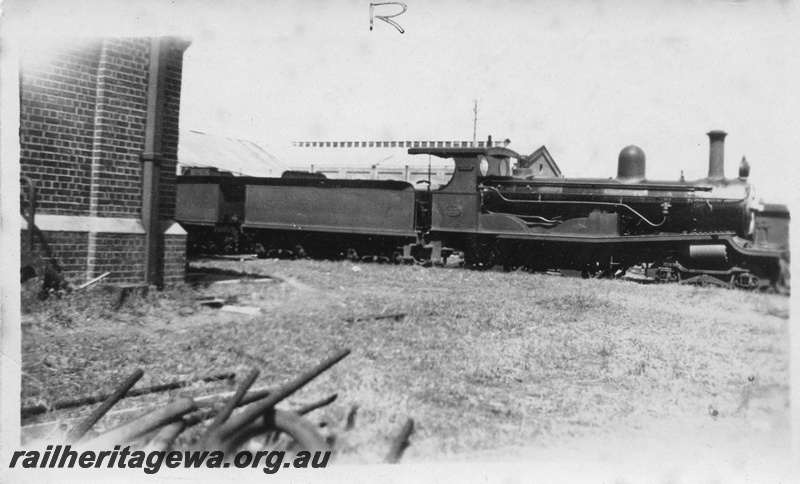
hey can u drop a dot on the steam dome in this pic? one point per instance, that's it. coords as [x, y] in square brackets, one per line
[631, 167]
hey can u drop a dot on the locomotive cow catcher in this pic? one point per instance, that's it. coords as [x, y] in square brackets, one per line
[495, 211]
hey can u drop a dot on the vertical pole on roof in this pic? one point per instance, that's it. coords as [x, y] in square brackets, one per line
[475, 123]
[152, 156]
[429, 173]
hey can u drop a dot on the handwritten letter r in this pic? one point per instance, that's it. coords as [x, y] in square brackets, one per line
[386, 18]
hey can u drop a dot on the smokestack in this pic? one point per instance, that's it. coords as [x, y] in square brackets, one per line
[716, 157]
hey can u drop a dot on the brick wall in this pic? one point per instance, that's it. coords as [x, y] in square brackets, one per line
[71, 246]
[57, 107]
[83, 119]
[120, 121]
[120, 254]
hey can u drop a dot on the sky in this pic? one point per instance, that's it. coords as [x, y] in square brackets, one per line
[584, 78]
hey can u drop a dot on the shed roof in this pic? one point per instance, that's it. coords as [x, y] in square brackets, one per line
[237, 156]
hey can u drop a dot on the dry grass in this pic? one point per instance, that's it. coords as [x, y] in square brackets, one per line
[482, 360]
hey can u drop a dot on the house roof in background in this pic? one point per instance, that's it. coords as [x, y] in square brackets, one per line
[543, 154]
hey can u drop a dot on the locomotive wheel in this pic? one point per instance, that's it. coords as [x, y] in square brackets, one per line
[482, 255]
[318, 250]
[596, 270]
[300, 252]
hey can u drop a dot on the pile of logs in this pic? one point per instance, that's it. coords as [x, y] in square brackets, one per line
[245, 418]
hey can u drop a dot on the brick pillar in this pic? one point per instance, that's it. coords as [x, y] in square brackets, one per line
[172, 246]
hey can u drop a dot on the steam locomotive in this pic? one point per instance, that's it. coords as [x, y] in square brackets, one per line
[495, 211]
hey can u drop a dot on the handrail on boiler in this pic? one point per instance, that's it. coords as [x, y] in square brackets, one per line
[576, 202]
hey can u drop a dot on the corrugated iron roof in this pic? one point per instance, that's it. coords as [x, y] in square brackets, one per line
[238, 156]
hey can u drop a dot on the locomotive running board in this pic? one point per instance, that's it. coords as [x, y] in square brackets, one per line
[729, 237]
[322, 229]
[613, 238]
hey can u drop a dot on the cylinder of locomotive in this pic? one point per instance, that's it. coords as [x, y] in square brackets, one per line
[708, 254]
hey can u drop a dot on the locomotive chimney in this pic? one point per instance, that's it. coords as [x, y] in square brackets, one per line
[716, 158]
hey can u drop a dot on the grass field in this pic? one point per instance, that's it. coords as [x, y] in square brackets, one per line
[491, 365]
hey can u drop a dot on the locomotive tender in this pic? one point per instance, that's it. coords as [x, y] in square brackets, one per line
[494, 211]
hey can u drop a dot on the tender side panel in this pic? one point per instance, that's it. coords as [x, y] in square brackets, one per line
[367, 209]
[209, 200]
[198, 203]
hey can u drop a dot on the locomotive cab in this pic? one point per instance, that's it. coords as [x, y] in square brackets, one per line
[455, 207]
